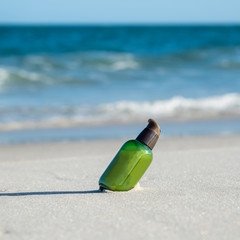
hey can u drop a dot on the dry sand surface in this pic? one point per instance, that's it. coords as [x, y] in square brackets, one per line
[190, 191]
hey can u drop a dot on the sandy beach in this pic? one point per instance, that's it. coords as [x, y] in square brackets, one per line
[190, 191]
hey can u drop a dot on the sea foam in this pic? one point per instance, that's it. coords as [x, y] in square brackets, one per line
[186, 108]
[122, 112]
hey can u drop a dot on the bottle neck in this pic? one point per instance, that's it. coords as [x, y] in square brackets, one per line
[148, 137]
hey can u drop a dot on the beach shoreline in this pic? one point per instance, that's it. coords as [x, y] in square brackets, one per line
[208, 127]
[191, 190]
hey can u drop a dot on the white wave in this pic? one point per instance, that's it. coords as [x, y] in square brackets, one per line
[174, 109]
[114, 61]
[124, 64]
[4, 74]
[15, 75]
[184, 108]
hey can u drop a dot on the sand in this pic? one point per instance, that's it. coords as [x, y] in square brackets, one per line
[190, 191]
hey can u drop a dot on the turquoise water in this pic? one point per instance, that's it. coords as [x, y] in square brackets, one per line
[59, 83]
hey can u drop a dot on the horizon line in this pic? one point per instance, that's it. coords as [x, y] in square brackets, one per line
[106, 24]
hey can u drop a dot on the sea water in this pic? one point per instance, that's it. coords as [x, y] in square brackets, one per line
[70, 82]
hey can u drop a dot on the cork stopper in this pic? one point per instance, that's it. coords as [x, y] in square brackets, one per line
[150, 134]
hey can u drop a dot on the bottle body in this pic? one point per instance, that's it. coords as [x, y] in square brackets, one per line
[127, 167]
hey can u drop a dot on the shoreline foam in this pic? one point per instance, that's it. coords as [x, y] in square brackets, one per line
[175, 109]
[211, 127]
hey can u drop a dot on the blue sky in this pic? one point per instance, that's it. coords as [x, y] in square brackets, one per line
[120, 11]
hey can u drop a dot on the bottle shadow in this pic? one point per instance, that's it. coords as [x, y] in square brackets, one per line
[48, 193]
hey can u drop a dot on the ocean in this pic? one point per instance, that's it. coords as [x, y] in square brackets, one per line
[61, 83]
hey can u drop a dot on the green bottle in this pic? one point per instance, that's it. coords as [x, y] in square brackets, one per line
[132, 160]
